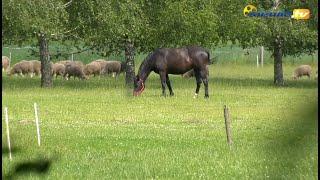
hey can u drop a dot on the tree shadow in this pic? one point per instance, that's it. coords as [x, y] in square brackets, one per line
[5, 150]
[256, 82]
[38, 166]
[298, 143]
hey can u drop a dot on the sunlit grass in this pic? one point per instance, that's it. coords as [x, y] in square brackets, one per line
[95, 129]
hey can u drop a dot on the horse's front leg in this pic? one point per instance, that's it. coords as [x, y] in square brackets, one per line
[163, 82]
[169, 85]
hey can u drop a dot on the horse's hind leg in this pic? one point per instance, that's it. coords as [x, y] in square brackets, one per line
[169, 85]
[163, 82]
[204, 78]
[198, 80]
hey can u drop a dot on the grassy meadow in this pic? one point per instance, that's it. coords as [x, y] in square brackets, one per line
[95, 129]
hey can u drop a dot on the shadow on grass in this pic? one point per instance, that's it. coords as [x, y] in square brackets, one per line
[296, 145]
[255, 82]
[5, 150]
[38, 166]
[31, 83]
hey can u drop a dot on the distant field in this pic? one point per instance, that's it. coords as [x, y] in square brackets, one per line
[95, 129]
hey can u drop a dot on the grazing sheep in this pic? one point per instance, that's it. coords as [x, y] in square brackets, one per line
[112, 67]
[5, 63]
[79, 63]
[102, 63]
[65, 62]
[303, 70]
[190, 73]
[36, 67]
[58, 69]
[23, 67]
[92, 68]
[75, 70]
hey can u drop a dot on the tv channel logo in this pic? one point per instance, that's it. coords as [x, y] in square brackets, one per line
[298, 14]
[301, 14]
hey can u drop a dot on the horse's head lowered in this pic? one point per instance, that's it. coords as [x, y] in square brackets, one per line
[138, 86]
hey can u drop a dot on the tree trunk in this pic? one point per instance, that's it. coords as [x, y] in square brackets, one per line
[278, 72]
[130, 73]
[46, 76]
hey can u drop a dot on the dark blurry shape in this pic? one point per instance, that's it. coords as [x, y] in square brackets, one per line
[213, 60]
[37, 166]
[40, 166]
[5, 150]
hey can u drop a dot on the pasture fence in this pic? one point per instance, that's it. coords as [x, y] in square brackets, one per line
[257, 56]
[8, 131]
[227, 121]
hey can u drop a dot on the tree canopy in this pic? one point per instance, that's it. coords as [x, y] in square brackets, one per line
[144, 25]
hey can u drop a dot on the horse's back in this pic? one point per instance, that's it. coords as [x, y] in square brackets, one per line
[199, 55]
[180, 60]
[173, 60]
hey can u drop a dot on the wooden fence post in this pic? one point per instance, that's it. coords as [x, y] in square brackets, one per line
[261, 55]
[228, 124]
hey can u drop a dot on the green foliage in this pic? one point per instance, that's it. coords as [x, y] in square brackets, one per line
[22, 20]
[295, 37]
[147, 24]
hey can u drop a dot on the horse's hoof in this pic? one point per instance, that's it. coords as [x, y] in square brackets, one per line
[195, 96]
[206, 96]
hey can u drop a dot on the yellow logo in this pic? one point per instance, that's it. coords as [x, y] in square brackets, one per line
[248, 9]
[301, 14]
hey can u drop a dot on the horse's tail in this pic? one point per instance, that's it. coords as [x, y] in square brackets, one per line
[212, 60]
[209, 60]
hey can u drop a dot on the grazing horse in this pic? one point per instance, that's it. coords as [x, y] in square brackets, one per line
[174, 61]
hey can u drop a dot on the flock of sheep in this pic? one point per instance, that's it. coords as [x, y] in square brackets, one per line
[69, 68]
[66, 68]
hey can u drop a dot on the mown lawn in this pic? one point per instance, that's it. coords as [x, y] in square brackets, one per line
[95, 129]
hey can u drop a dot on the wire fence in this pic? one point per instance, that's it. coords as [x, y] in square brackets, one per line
[233, 55]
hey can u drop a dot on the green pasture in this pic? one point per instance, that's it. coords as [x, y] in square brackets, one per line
[95, 129]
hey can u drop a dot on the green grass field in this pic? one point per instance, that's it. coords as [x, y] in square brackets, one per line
[95, 129]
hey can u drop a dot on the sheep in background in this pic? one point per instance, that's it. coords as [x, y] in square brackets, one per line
[102, 63]
[303, 70]
[75, 70]
[92, 68]
[65, 62]
[112, 67]
[58, 69]
[190, 73]
[22, 68]
[5, 63]
[36, 67]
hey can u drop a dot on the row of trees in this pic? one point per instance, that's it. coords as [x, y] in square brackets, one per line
[136, 26]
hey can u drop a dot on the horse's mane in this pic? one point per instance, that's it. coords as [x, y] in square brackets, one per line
[145, 62]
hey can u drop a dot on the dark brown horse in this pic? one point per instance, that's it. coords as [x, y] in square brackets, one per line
[174, 61]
